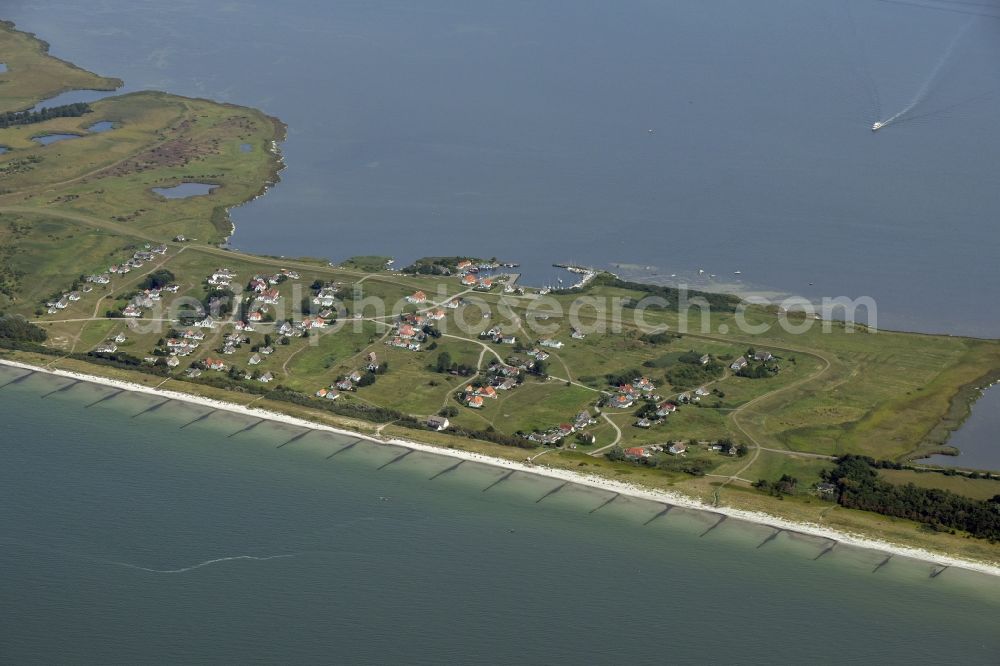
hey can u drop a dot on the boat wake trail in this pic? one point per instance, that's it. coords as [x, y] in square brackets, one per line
[129, 565]
[204, 564]
[928, 84]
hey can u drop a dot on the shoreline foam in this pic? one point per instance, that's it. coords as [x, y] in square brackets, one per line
[587, 480]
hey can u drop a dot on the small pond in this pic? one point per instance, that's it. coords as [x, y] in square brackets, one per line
[72, 97]
[102, 126]
[3, 149]
[46, 139]
[3, 67]
[185, 190]
[245, 147]
[978, 439]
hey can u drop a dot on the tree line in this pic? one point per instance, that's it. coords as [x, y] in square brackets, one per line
[14, 118]
[17, 328]
[859, 486]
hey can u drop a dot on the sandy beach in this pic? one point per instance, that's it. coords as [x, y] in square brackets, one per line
[629, 490]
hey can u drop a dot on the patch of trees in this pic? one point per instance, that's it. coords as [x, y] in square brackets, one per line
[437, 265]
[493, 436]
[689, 375]
[623, 377]
[16, 327]
[859, 486]
[445, 364]
[157, 279]
[617, 454]
[660, 338]
[692, 466]
[784, 486]
[219, 302]
[690, 356]
[10, 277]
[758, 370]
[122, 360]
[647, 410]
[13, 118]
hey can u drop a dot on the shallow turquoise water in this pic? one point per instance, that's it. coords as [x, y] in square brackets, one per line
[112, 515]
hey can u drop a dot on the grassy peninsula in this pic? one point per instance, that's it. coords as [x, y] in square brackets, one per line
[675, 409]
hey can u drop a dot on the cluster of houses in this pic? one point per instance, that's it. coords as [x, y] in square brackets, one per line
[349, 382]
[558, 433]
[146, 299]
[527, 362]
[264, 292]
[221, 277]
[474, 395]
[186, 343]
[627, 394]
[742, 362]
[538, 354]
[497, 335]
[63, 301]
[410, 329]
[110, 346]
[218, 365]
[257, 357]
[469, 274]
[678, 448]
[207, 322]
[325, 296]
[327, 393]
[500, 377]
[264, 283]
[643, 452]
[231, 343]
[693, 396]
[287, 328]
[137, 260]
[663, 410]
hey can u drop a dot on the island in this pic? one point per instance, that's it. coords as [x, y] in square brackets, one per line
[114, 265]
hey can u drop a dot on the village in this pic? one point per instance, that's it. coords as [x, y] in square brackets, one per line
[253, 327]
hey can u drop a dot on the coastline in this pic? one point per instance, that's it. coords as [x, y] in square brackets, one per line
[630, 490]
[114, 83]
